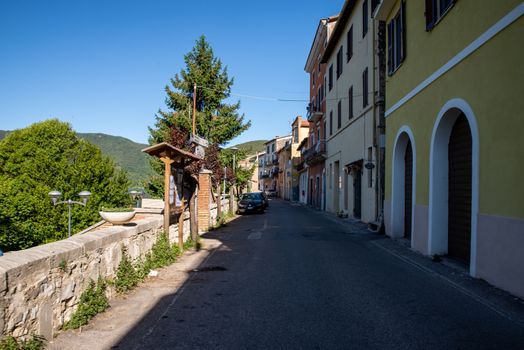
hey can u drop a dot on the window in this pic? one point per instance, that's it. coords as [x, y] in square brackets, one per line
[267, 149]
[330, 123]
[339, 115]
[339, 62]
[365, 18]
[435, 10]
[330, 77]
[324, 128]
[273, 148]
[350, 99]
[397, 39]
[349, 46]
[313, 79]
[295, 135]
[365, 90]
[318, 131]
[330, 174]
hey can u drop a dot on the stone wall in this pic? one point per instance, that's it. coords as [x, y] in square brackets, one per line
[41, 286]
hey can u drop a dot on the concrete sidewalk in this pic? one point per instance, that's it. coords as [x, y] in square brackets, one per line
[107, 328]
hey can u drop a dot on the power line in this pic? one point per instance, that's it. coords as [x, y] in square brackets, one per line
[275, 99]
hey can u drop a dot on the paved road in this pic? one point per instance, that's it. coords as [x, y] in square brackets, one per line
[293, 278]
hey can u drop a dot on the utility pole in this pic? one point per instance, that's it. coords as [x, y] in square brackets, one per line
[194, 108]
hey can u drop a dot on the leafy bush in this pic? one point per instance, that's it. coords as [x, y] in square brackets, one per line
[92, 301]
[126, 276]
[49, 156]
[36, 342]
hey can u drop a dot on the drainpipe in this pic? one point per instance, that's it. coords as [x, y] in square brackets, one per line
[381, 104]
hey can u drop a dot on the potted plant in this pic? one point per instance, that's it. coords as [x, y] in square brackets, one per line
[117, 216]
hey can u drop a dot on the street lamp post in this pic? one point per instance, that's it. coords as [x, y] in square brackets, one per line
[84, 195]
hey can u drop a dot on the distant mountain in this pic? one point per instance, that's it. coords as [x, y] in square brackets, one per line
[252, 147]
[125, 153]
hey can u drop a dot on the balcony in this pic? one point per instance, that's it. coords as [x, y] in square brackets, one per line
[300, 166]
[274, 172]
[314, 113]
[315, 154]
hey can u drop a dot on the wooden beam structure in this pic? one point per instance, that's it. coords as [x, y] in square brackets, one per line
[172, 157]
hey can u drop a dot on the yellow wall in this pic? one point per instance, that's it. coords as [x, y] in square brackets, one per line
[490, 81]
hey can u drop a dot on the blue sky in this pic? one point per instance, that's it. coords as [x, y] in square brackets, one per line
[102, 65]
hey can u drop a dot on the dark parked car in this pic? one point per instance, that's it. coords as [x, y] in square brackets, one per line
[264, 197]
[251, 202]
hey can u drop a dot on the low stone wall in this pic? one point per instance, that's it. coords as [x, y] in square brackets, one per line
[41, 286]
[214, 213]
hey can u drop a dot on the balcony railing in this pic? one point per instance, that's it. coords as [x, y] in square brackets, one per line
[315, 154]
[314, 113]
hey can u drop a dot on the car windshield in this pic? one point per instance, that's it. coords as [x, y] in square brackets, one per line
[250, 196]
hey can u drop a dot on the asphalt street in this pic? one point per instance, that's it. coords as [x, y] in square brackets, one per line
[293, 278]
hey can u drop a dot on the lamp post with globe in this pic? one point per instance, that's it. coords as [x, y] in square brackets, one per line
[55, 195]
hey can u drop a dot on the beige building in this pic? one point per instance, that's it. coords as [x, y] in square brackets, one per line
[300, 131]
[268, 164]
[252, 161]
[351, 114]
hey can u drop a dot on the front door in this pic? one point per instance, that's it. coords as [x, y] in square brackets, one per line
[459, 187]
[357, 194]
[408, 189]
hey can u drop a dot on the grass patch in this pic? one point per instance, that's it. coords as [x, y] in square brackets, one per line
[35, 342]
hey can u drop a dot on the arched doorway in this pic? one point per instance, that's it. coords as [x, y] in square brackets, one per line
[403, 182]
[408, 189]
[453, 193]
[459, 190]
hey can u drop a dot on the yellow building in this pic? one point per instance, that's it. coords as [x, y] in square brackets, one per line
[455, 132]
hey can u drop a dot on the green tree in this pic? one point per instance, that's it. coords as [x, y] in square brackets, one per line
[216, 120]
[49, 156]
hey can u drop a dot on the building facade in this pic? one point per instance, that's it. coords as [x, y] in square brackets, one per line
[455, 145]
[314, 154]
[268, 174]
[352, 116]
[299, 132]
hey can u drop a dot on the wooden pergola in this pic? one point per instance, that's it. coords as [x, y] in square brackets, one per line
[177, 158]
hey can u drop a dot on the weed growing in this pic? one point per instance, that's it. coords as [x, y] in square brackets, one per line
[35, 342]
[92, 301]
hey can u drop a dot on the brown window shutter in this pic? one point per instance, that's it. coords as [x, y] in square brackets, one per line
[403, 31]
[429, 15]
[390, 47]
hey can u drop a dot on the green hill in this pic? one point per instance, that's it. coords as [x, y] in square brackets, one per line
[252, 147]
[125, 153]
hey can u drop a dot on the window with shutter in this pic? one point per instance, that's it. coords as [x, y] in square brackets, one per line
[339, 62]
[397, 39]
[330, 123]
[339, 115]
[330, 76]
[435, 10]
[349, 46]
[365, 89]
[365, 18]
[350, 99]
